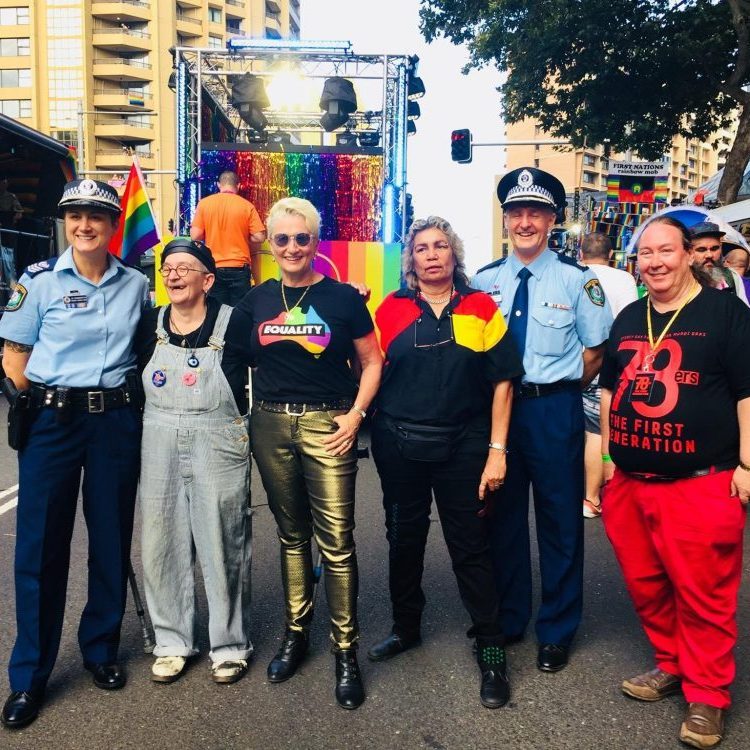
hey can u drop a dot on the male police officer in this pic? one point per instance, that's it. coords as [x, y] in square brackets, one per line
[69, 330]
[557, 314]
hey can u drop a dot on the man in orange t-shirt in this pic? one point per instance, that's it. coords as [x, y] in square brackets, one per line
[230, 226]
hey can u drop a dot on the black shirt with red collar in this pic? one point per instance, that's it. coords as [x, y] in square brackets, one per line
[441, 371]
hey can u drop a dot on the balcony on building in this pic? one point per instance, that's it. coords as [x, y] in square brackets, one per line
[294, 14]
[188, 25]
[235, 8]
[122, 69]
[273, 27]
[233, 29]
[123, 129]
[189, 3]
[122, 99]
[125, 11]
[111, 157]
[122, 39]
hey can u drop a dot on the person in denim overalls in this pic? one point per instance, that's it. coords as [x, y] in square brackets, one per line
[195, 480]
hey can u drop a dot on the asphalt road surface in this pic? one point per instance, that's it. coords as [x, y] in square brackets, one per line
[426, 698]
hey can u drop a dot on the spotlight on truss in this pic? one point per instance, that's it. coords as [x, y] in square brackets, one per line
[338, 101]
[250, 99]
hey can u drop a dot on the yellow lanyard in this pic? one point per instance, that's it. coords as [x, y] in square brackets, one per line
[651, 356]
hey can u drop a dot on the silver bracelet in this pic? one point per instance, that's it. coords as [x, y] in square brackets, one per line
[362, 413]
[499, 447]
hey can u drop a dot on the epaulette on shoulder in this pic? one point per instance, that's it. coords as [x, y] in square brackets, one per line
[571, 262]
[495, 264]
[131, 266]
[36, 268]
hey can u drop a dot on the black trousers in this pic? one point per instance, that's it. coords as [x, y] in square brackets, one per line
[231, 285]
[408, 488]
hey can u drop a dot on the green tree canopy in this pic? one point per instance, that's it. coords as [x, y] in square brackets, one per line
[633, 73]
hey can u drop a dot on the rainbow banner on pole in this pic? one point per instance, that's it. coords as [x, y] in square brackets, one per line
[137, 232]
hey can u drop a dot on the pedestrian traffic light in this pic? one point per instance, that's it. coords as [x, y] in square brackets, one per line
[461, 146]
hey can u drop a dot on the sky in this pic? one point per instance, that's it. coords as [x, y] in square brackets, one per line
[460, 193]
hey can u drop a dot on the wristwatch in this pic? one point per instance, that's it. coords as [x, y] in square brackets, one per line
[499, 447]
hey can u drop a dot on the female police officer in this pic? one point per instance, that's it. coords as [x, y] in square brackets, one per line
[69, 328]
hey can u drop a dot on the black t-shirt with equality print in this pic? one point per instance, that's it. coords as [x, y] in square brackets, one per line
[680, 414]
[304, 356]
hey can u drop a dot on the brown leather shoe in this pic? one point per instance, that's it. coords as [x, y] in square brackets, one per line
[652, 686]
[703, 725]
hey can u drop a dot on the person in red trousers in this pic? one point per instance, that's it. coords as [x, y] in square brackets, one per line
[675, 415]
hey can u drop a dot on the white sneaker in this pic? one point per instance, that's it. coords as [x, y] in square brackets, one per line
[590, 510]
[227, 672]
[167, 668]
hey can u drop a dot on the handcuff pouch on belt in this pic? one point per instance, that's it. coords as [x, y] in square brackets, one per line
[420, 442]
[20, 414]
[134, 387]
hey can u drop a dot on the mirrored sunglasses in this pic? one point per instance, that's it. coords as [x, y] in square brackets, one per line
[302, 239]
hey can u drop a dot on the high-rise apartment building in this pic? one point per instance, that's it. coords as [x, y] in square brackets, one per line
[691, 163]
[111, 60]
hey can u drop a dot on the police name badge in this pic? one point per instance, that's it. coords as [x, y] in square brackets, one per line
[75, 300]
[595, 292]
[16, 299]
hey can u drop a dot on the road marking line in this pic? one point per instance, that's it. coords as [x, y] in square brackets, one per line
[8, 506]
[9, 491]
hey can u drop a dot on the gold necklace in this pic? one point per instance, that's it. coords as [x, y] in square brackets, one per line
[648, 360]
[299, 301]
[434, 301]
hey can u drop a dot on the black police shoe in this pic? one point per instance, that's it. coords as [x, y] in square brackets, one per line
[495, 687]
[551, 657]
[106, 676]
[350, 693]
[21, 708]
[289, 656]
[391, 646]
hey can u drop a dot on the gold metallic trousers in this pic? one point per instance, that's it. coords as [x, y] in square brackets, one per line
[310, 492]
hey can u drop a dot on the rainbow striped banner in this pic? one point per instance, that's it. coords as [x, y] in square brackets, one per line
[137, 231]
[374, 264]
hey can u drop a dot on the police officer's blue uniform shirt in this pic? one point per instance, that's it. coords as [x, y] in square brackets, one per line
[567, 311]
[82, 332]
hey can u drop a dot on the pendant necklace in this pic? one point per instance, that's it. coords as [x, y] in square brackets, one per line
[192, 360]
[297, 304]
[648, 360]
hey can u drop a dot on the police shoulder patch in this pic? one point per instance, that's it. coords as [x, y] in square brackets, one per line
[571, 262]
[36, 268]
[16, 299]
[495, 264]
[595, 292]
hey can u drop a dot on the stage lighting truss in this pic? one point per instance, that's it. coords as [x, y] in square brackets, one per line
[206, 76]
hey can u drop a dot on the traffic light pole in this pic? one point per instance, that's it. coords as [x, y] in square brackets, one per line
[463, 145]
[523, 143]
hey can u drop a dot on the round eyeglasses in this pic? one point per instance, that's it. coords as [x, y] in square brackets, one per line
[182, 271]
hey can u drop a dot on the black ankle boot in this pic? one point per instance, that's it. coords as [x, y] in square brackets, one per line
[495, 689]
[349, 690]
[289, 656]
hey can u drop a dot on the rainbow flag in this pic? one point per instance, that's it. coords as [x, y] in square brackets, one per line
[137, 231]
[374, 264]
